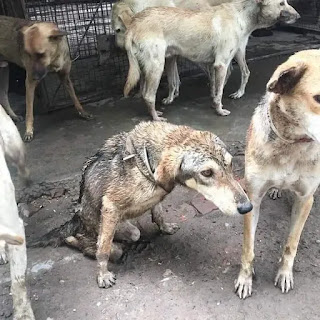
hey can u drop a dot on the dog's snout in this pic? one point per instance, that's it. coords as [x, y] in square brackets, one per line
[289, 16]
[244, 207]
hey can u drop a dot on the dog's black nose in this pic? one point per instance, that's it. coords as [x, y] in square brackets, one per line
[244, 207]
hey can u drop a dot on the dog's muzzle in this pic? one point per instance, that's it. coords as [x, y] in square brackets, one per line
[289, 17]
[39, 73]
[244, 207]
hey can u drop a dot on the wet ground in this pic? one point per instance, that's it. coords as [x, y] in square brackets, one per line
[189, 275]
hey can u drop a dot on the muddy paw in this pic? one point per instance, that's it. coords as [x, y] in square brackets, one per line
[86, 115]
[284, 280]
[106, 280]
[236, 95]
[169, 228]
[220, 111]
[157, 118]
[28, 136]
[243, 286]
[275, 193]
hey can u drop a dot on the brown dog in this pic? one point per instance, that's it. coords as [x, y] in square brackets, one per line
[38, 47]
[283, 151]
[134, 171]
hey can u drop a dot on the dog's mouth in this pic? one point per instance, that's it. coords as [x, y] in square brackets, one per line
[288, 17]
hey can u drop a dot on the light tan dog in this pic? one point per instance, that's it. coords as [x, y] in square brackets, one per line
[159, 33]
[122, 15]
[12, 234]
[283, 151]
[38, 47]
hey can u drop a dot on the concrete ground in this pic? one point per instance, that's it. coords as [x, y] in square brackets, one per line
[189, 275]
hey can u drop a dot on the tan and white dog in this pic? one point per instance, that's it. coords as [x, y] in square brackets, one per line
[158, 33]
[12, 233]
[283, 151]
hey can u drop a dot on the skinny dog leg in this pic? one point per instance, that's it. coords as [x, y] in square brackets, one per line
[300, 212]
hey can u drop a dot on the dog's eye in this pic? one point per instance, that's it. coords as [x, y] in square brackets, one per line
[118, 30]
[317, 98]
[39, 55]
[282, 3]
[207, 173]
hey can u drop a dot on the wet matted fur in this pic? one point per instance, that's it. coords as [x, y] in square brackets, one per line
[283, 151]
[134, 171]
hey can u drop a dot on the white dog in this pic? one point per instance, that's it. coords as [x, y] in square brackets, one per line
[12, 232]
[214, 37]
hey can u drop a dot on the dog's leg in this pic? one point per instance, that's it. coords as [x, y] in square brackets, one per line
[243, 285]
[18, 264]
[176, 79]
[153, 72]
[4, 87]
[300, 212]
[30, 88]
[3, 253]
[240, 57]
[171, 65]
[65, 79]
[109, 221]
[126, 231]
[229, 71]
[220, 71]
[165, 227]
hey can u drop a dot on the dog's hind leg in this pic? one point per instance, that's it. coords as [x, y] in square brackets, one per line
[64, 76]
[171, 68]
[220, 72]
[165, 227]
[240, 57]
[153, 69]
[18, 264]
[4, 87]
[109, 221]
[176, 79]
[300, 212]
[3, 252]
[126, 231]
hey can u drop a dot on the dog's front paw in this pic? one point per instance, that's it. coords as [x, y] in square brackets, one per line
[284, 280]
[243, 286]
[275, 193]
[220, 111]
[157, 118]
[28, 136]
[86, 115]
[237, 95]
[169, 228]
[106, 280]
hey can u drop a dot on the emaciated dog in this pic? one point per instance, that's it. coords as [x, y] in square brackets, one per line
[283, 151]
[39, 48]
[213, 37]
[134, 171]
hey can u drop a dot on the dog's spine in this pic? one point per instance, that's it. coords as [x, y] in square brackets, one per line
[57, 236]
[134, 68]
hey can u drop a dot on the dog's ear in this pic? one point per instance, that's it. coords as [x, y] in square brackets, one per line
[57, 34]
[126, 17]
[283, 81]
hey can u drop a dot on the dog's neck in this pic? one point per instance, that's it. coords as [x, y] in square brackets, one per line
[283, 128]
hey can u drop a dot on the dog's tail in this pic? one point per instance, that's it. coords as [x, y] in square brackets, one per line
[134, 68]
[57, 236]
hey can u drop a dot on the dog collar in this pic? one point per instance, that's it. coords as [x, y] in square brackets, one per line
[275, 133]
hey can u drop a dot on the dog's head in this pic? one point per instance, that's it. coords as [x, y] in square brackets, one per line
[202, 162]
[297, 85]
[41, 41]
[120, 21]
[273, 11]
